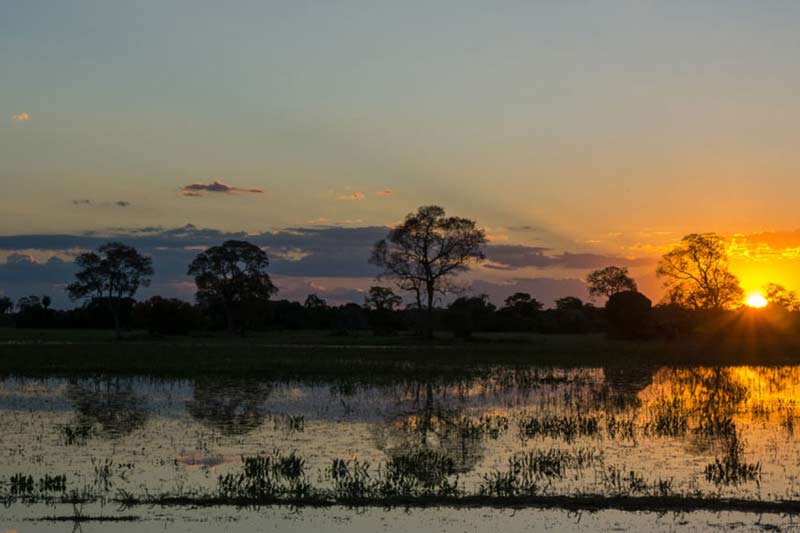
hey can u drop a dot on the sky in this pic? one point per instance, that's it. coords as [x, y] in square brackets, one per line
[578, 134]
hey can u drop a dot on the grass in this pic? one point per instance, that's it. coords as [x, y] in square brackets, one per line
[307, 354]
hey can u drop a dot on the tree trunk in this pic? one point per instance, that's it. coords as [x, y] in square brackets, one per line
[429, 325]
[231, 326]
[115, 314]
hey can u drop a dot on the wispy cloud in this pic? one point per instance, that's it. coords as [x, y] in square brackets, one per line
[352, 196]
[385, 192]
[21, 117]
[215, 187]
[86, 202]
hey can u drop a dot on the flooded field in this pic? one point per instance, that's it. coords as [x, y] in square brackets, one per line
[564, 441]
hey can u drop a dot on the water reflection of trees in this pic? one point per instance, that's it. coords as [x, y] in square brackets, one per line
[110, 403]
[424, 422]
[232, 407]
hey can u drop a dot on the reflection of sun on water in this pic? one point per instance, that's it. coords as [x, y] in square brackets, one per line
[756, 299]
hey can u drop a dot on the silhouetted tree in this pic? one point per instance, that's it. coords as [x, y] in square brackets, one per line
[609, 281]
[314, 302]
[46, 301]
[114, 273]
[233, 274]
[28, 302]
[780, 296]
[696, 274]
[521, 305]
[382, 299]
[569, 303]
[425, 253]
[6, 305]
[629, 315]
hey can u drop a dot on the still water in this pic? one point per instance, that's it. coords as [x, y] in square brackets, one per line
[699, 432]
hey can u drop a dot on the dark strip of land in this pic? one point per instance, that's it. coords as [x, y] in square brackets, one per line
[321, 354]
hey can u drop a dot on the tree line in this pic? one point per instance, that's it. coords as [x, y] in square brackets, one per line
[422, 258]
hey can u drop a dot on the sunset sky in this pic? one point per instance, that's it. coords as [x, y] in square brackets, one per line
[579, 134]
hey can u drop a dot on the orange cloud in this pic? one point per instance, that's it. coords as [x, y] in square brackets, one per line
[353, 196]
[22, 117]
[385, 192]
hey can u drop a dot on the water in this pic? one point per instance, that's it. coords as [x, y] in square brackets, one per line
[697, 432]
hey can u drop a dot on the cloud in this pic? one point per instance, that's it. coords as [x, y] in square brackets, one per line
[516, 256]
[353, 196]
[22, 117]
[385, 192]
[87, 202]
[216, 186]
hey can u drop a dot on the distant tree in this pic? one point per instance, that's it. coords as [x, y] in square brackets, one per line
[28, 302]
[233, 274]
[6, 305]
[46, 301]
[425, 253]
[608, 281]
[628, 314]
[780, 296]
[522, 304]
[382, 299]
[166, 316]
[469, 313]
[569, 303]
[696, 274]
[314, 302]
[114, 273]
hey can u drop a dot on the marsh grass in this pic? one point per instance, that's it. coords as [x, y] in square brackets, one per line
[731, 468]
[267, 476]
[289, 424]
[77, 435]
[566, 427]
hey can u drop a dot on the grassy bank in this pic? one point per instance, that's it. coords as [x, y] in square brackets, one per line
[308, 354]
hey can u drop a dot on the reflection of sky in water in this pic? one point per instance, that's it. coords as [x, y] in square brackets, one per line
[164, 435]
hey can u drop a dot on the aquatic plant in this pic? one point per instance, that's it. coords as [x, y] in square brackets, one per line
[267, 476]
[731, 468]
[76, 435]
[567, 427]
[669, 418]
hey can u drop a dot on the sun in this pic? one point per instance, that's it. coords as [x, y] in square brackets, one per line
[757, 300]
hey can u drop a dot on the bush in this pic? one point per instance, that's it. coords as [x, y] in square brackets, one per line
[629, 315]
[166, 316]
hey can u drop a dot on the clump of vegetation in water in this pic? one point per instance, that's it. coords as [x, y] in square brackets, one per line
[567, 427]
[418, 473]
[528, 473]
[618, 482]
[289, 423]
[76, 435]
[22, 485]
[270, 476]
[491, 426]
[351, 479]
[669, 418]
[731, 468]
